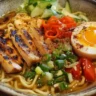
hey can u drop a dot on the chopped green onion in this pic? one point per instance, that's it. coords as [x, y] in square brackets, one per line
[50, 64]
[40, 82]
[63, 86]
[38, 70]
[60, 79]
[62, 56]
[60, 63]
[70, 78]
[50, 82]
[48, 75]
[44, 67]
[71, 57]
[59, 73]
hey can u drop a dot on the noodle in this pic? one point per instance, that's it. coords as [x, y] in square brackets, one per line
[7, 80]
[82, 81]
[29, 85]
[2, 75]
[52, 90]
[24, 82]
[41, 92]
[44, 88]
[73, 83]
[23, 90]
[24, 69]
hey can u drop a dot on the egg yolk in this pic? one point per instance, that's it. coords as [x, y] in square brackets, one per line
[88, 36]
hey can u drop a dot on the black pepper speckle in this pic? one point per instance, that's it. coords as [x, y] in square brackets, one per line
[13, 32]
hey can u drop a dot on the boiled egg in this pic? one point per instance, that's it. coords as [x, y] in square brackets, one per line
[83, 40]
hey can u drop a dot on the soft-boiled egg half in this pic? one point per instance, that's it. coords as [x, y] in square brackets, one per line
[83, 40]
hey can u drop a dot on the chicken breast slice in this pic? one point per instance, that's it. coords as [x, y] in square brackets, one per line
[9, 65]
[22, 47]
[10, 50]
[40, 44]
[29, 41]
[37, 37]
[24, 50]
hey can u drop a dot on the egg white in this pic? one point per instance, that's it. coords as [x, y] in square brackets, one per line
[79, 48]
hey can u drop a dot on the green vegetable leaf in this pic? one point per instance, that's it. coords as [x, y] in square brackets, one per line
[50, 82]
[63, 86]
[29, 74]
[60, 63]
[71, 57]
[44, 67]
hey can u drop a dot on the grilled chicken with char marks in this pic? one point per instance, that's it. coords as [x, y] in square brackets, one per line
[10, 50]
[24, 41]
[22, 47]
[31, 29]
[37, 38]
[8, 61]
[29, 41]
[20, 23]
[43, 45]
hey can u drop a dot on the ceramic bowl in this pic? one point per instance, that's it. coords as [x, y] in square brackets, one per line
[86, 6]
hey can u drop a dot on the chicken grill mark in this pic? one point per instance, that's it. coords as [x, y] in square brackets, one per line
[28, 37]
[25, 43]
[20, 41]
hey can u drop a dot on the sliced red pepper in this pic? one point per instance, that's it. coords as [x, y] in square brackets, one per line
[67, 19]
[64, 33]
[88, 69]
[54, 20]
[51, 34]
[58, 28]
[70, 25]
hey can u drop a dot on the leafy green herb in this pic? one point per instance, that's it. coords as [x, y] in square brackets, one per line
[50, 82]
[58, 51]
[29, 74]
[63, 86]
[62, 56]
[71, 57]
[40, 82]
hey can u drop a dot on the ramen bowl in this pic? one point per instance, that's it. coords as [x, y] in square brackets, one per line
[86, 6]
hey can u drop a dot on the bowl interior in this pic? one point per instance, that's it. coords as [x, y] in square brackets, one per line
[76, 5]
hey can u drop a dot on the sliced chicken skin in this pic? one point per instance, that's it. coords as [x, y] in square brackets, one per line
[22, 47]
